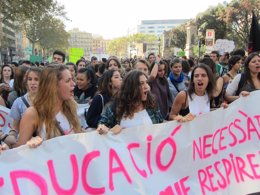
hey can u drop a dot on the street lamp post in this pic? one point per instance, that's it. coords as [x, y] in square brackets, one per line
[159, 41]
[199, 40]
[199, 46]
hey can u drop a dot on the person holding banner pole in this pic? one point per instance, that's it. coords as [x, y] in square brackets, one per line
[196, 100]
[134, 106]
[54, 111]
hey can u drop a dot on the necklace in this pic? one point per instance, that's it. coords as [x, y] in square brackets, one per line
[231, 75]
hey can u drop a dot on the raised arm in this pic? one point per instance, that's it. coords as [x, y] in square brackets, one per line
[154, 72]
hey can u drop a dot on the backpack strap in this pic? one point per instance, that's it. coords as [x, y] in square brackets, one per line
[25, 102]
[103, 104]
[186, 98]
[229, 75]
[175, 86]
[28, 105]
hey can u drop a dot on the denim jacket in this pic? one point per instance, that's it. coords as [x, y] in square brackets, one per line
[108, 117]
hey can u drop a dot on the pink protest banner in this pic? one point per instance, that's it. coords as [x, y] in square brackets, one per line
[217, 153]
[5, 120]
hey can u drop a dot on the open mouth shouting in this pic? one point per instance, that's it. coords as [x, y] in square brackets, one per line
[200, 84]
[144, 95]
[72, 92]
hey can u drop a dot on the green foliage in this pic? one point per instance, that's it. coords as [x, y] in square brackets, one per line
[118, 47]
[239, 15]
[40, 23]
[179, 37]
[19, 10]
[181, 53]
[141, 38]
[210, 19]
[39, 19]
[231, 21]
[53, 35]
[196, 50]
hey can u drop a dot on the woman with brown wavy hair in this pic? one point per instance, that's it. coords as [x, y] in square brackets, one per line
[54, 110]
[134, 105]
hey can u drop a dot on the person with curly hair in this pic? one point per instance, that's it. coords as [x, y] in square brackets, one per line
[134, 106]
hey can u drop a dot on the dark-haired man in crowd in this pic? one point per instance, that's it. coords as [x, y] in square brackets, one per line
[26, 63]
[94, 63]
[214, 55]
[58, 56]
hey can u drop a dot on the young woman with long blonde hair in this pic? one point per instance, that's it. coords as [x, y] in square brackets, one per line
[54, 110]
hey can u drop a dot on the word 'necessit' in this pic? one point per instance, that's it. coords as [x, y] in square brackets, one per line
[227, 137]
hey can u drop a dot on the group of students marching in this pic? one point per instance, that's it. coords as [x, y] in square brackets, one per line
[43, 100]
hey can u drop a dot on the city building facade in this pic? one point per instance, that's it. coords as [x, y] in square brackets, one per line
[7, 41]
[81, 39]
[99, 46]
[157, 27]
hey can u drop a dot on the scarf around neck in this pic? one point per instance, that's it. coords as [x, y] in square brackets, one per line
[177, 80]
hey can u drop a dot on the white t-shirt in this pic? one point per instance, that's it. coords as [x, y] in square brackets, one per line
[11, 83]
[199, 104]
[232, 87]
[64, 124]
[139, 119]
[18, 108]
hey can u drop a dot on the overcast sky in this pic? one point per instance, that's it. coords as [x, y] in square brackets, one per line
[112, 18]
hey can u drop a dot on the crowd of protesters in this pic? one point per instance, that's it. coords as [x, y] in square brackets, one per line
[122, 93]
